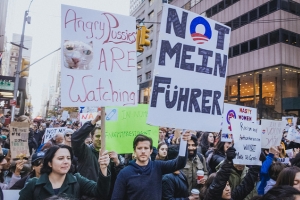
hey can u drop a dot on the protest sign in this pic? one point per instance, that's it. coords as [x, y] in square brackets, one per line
[65, 115]
[19, 140]
[271, 133]
[247, 142]
[123, 124]
[84, 117]
[189, 71]
[293, 135]
[98, 58]
[284, 160]
[289, 122]
[235, 112]
[51, 132]
[11, 194]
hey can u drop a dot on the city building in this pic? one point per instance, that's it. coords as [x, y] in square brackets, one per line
[3, 13]
[264, 62]
[146, 13]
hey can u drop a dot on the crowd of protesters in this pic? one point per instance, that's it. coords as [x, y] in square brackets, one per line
[72, 166]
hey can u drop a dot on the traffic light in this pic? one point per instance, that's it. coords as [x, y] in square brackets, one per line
[25, 64]
[145, 36]
[139, 48]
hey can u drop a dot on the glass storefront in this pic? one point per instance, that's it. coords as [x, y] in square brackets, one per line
[276, 83]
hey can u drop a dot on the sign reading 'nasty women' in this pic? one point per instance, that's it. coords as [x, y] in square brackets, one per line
[247, 142]
[190, 71]
[98, 58]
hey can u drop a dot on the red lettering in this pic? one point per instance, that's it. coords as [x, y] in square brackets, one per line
[102, 56]
[114, 60]
[129, 59]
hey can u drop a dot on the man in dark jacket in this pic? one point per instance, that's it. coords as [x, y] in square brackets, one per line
[142, 178]
[175, 185]
[88, 156]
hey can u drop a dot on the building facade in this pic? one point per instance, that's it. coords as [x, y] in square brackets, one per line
[146, 14]
[264, 62]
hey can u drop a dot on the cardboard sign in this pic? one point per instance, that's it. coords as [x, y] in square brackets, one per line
[19, 139]
[84, 117]
[98, 58]
[235, 112]
[289, 122]
[247, 142]
[51, 132]
[190, 71]
[123, 124]
[271, 133]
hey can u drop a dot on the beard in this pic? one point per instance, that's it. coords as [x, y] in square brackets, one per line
[192, 154]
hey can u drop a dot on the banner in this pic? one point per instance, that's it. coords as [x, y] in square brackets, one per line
[289, 122]
[51, 132]
[235, 112]
[247, 142]
[271, 133]
[19, 140]
[189, 71]
[98, 58]
[123, 124]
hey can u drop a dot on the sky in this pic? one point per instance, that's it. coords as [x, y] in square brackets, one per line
[46, 32]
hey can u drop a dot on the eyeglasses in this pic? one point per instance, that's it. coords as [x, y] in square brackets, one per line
[68, 135]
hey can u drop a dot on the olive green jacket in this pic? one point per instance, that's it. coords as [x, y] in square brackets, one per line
[69, 188]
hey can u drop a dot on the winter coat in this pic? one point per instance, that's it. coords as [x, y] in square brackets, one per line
[13, 180]
[73, 186]
[21, 183]
[215, 160]
[175, 187]
[264, 174]
[145, 182]
[191, 168]
[88, 165]
[216, 188]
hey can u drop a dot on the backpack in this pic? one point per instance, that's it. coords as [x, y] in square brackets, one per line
[37, 189]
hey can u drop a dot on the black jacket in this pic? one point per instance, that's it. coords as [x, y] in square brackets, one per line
[88, 165]
[215, 160]
[216, 188]
[175, 187]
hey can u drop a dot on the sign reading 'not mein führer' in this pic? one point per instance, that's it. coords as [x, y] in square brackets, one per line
[19, 140]
[98, 58]
[190, 71]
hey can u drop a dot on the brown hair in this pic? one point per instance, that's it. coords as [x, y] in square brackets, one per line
[158, 147]
[275, 169]
[163, 129]
[287, 176]
[141, 138]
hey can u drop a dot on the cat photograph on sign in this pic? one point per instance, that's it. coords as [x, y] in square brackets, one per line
[77, 54]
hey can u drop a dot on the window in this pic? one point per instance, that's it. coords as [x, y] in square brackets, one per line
[293, 39]
[272, 5]
[285, 5]
[221, 6]
[236, 23]
[208, 13]
[263, 41]
[140, 65]
[263, 10]
[229, 24]
[284, 36]
[244, 47]
[227, 3]
[236, 50]
[298, 10]
[151, 41]
[244, 19]
[194, 2]
[151, 14]
[253, 15]
[253, 44]
[274, 37]
[151, 2]
[151, 28]
[148, 75]
[187, 6]
[214, 10]
[234, 1]
[293, 7]
[139, 79]
[149, 59]
[230, 53]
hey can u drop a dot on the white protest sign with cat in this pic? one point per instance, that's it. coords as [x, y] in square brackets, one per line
[98, 58]
[247, 142]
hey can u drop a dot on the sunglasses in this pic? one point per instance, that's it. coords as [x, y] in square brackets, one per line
[68, 135]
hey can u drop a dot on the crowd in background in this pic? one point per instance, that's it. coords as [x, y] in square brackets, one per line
[72, 166]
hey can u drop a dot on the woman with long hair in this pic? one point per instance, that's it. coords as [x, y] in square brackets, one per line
[289, 176]
[206, 142]
[218, 155]
[162, 151]
[56, 178]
